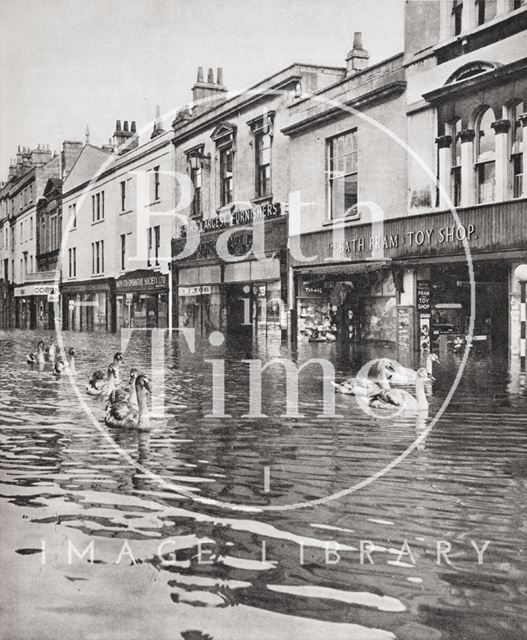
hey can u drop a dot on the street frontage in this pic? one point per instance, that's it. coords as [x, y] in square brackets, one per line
[264, 356]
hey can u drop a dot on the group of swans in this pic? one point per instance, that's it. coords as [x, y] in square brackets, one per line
[381, 395]
[48, 353]
[126, 408]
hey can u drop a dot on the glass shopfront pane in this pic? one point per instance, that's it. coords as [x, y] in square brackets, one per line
[99, 312]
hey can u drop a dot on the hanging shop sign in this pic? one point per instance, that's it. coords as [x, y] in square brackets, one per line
[142, 280]
[423, 296]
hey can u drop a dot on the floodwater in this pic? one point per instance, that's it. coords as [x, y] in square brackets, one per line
[164, 559]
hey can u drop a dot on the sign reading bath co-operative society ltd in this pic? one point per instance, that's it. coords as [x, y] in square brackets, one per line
[142, 280]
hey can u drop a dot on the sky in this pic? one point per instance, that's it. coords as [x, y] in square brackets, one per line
[65, 64]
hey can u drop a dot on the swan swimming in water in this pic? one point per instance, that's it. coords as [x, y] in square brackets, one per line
[123, 415]
[389, 398]
[120, 394]
[405, 375]
[362, 386]
[37, 357]
[101, 385]
[60, 366]
[51, 350]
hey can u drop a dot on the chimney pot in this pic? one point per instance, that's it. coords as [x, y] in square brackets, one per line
[210, 77]
[133, 128]
[200, 75]
[219, 76]
[357, 40]
[125, 125]
[118, 125]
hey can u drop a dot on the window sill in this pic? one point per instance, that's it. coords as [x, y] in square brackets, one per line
[341, 222]
[97, 275]
[95, 222]
[123, 213]
[262, 199]
[158, 201]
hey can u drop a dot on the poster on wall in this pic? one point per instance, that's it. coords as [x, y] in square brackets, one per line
[424, 332]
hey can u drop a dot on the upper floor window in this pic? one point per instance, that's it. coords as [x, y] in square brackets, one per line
[342, 174]
[457, 14]
[485, 156]
[455, 181]
[196, 177]
[97, 204]
[263, 164]
[123, 195]
[517, 149]
[226, 176]
[123, 251]
[97, 257]
[486, 10]
[156, 183]
[72, 262]
[72, 212]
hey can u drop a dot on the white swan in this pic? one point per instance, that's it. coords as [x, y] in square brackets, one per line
[363, 386]
[405, 375]
[123, 415]
[389, 398]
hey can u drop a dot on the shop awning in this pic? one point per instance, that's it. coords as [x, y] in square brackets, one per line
[346, 269]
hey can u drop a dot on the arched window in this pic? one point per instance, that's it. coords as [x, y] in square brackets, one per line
[516, 138]
[455, 178]
[485, 156]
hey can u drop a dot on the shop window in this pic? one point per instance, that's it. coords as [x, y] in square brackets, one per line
[485, 157]
[263, 164]
[457, 14]
[486, 10]
[226, 175]
[342, 172]
[516, 132]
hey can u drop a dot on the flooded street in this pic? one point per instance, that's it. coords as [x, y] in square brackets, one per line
[395, 558]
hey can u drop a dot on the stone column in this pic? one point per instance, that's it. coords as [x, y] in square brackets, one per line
[467, 166]
[445, 168]
[469, 15]
[523, 120]
[501, 129]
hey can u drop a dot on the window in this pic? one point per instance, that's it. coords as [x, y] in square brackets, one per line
[157, 239]
[97, 204]
[226, 176]
[486, 10]
[97, 255]
[196, 177]
[149, 247]
[457, 13]
[72, 213]
[72, 255]
[156, 183]
[31, 227]
[455, 181]
[343, 174]
[123, 195]
[517, 149]
[485, 156]
[123, 251]
[516, 4]
[263, 164]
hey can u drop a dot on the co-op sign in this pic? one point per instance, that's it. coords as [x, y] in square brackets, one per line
[36, 290]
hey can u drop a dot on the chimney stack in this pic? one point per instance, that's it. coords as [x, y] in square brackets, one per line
[207, 95]
[124, 137]
[69, 155]
[357, 59]
[157, 129]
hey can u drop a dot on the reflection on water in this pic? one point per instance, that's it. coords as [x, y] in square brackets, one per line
[163, 565]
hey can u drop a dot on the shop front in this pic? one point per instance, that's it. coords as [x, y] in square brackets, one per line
[141, 300]
[34, 305]
[87, 306]
[240, 294]
[408, 282]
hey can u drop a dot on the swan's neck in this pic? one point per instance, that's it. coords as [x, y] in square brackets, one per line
[133, 395]
[422, 402]
[72, 363]
[429, 364]
[383, 381]
[141, 400]
[111, 385]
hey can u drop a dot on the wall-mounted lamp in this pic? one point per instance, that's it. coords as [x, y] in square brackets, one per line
[199, 160]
